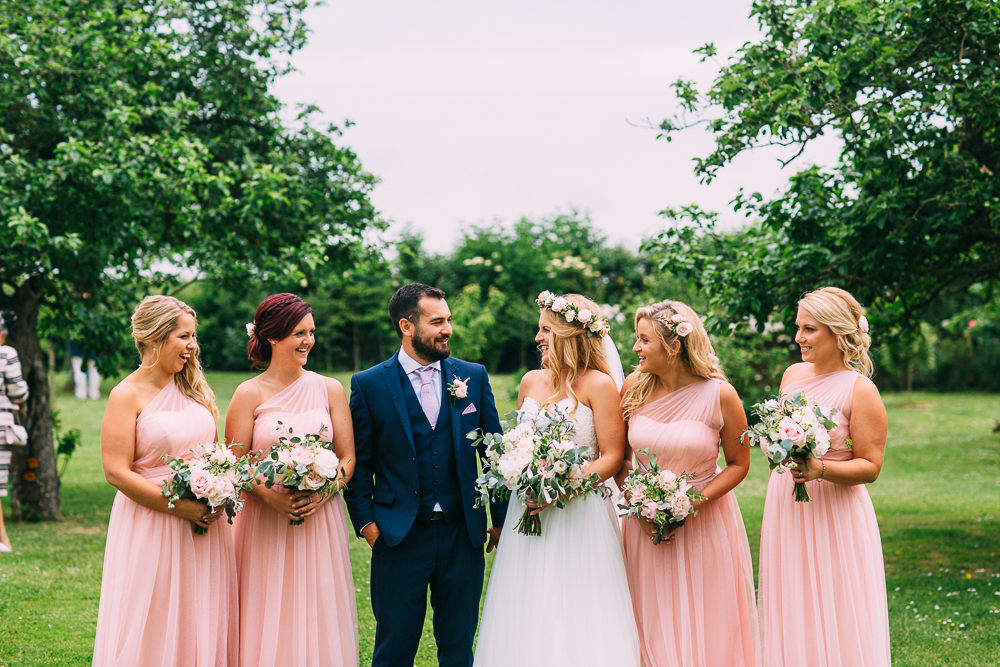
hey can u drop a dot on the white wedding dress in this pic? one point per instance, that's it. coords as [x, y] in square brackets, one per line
[561, 598]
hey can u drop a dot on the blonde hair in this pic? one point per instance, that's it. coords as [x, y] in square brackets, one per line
[842, 314]
[156, 318]
[571, 351]
[696, 351]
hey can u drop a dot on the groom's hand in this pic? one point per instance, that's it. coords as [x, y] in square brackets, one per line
[371, 533]
[494, 538]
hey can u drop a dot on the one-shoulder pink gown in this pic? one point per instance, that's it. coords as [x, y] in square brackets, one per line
[296, 588]
[693, 596]
[168, 596]
[822, 578]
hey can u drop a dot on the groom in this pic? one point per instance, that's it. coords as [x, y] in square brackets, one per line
[413, 492]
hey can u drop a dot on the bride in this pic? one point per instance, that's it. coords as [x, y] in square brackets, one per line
[562, 598]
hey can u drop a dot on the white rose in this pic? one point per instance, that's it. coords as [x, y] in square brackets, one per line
[558, 304]
[676, 317]
[770, 405]
[544, 296]
[326, 463]
[569, 315]
[595, 326]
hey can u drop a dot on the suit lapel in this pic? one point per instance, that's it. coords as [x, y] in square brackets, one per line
[390, 375]
[447, 403]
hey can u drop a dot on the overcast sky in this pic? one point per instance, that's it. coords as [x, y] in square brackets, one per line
[471, 112]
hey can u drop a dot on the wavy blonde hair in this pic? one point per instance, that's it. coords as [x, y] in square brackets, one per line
[696, 352]
[572, 351]
[841, 313]
[156, 318]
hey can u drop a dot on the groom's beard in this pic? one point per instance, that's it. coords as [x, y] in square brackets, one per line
[428, 347]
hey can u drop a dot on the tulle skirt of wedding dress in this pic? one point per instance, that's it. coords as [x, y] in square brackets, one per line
[561, 598]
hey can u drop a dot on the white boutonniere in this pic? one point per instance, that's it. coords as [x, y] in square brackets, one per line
[458, 388]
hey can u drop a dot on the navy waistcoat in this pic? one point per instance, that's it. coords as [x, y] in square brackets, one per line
[438, 476]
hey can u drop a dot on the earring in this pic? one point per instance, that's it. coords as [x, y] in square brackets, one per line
[156, 349]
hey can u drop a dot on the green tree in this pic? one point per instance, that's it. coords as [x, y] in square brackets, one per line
[911, 210]
[141, 135]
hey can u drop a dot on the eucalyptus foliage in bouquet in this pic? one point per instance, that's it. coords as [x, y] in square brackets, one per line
[301, 462]
[659, 496]
[791, 429]
[211, 474]
[537, 460]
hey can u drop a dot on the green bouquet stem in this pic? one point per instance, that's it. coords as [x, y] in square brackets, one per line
[530, 524]
[800, 494]
[199, 530]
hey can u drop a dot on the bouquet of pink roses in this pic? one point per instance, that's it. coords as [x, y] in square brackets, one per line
[537, 461]
[211, 474]
[791, 429]
[301, 461]
[658, 495]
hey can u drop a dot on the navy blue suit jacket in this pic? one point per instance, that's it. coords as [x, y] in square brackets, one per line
[385, 486]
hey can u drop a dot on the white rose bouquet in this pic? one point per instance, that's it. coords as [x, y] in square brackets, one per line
[301, 461]
[211, 474]
[659, 496]
[791, 429]
[537, 461]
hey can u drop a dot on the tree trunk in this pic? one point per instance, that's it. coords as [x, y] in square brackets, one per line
[34, 488]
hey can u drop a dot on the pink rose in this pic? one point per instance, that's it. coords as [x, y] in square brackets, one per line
[788, 429]
[667, 477]
[302, 455]
[684, 328]
[461, 389]
[649, 510]
[584, 315]
[680, 505]
[637, 497]
[222, 490]
[202, 483]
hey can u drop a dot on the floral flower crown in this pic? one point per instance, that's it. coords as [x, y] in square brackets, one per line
[589, 321]
[676, 323]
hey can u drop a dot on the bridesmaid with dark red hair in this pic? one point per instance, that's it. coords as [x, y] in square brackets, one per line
[296, 588]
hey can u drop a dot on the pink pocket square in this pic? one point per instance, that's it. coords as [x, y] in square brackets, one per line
[469, 409]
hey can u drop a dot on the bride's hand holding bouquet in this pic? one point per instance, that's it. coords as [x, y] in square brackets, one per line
[537, 461]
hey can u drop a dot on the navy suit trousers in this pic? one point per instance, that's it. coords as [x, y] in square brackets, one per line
[438, 554]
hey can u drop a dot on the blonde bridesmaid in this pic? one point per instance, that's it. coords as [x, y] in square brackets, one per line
[693, 595]
[168, 596]
[822, 578]
[296, 588]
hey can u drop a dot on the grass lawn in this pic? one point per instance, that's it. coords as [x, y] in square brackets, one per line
[938, 504]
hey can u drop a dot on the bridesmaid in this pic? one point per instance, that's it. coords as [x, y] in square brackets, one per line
[167, 592]
[822, 579]
[295, 582]
[693, 596]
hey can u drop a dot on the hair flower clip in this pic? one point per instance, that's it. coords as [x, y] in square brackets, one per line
[251, 328]
[677, 324]
[863, 324]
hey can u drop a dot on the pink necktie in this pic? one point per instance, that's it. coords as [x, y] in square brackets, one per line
[428, 401]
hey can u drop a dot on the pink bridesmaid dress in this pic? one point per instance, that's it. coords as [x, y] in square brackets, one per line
[822, 579]
[168, 597]
[296, 587]
[693, 596]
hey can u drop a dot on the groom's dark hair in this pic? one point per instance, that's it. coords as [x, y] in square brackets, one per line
[405, 303]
